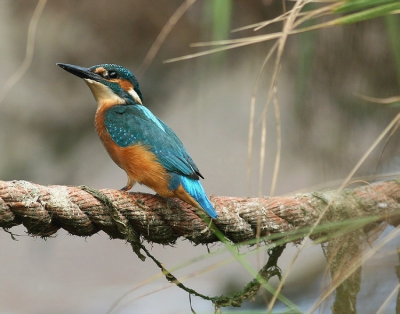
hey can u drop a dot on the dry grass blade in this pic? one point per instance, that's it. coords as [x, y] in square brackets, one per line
[288, 29]
[278, 143]
[230, 44]
[383, 101]
[369, 151]
[345, 182]
[30, 48]
[265, 37]
[288, 26]
[336, 183]
[248, 40]
[353, 267]
[305, 16]
[203, 53]
[236, 43]
[314, 14]
[260, 25]
[163, 35]
[262, 151]
[252, 112]
[386, 302]
[395, 128]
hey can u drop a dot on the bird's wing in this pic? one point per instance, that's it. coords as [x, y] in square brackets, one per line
[135, 124]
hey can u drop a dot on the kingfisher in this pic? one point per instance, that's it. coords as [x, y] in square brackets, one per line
[137, 141]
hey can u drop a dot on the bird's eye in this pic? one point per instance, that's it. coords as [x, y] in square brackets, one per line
[112, 74]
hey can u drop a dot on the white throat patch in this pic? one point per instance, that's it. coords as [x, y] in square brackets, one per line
[103, 93]
[135, 96]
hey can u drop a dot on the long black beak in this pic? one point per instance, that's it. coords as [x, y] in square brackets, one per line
[81, 72]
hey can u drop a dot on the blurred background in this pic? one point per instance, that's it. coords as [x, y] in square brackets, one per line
[47, 137]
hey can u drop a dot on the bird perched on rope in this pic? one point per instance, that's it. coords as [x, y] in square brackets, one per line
[138, 142]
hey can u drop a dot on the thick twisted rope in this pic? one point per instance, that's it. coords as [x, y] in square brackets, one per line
[45, 209]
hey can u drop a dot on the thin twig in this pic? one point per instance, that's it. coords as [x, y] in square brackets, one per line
[163, 35]
[30, 48]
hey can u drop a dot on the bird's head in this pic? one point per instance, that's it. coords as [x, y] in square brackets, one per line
[109, 83]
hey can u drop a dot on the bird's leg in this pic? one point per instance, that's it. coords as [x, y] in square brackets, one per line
[129, 184]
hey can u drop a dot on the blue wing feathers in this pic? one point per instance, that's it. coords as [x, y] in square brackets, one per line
[135, 124]
[195, 189]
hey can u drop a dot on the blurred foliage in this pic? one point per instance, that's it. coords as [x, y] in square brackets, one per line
[364, 5]
[393, 28]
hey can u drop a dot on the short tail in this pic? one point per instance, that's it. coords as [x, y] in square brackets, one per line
[195, 190]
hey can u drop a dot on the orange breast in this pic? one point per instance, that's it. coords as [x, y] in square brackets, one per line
[139, 163]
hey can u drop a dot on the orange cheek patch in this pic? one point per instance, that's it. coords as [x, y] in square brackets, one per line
[99, 70]
[125, 85]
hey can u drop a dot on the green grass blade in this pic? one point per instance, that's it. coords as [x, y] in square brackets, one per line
[359, 5]
[393, 28]
[368, 14]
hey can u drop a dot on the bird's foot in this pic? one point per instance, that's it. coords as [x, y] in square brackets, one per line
[128, 185]
[126, 188]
